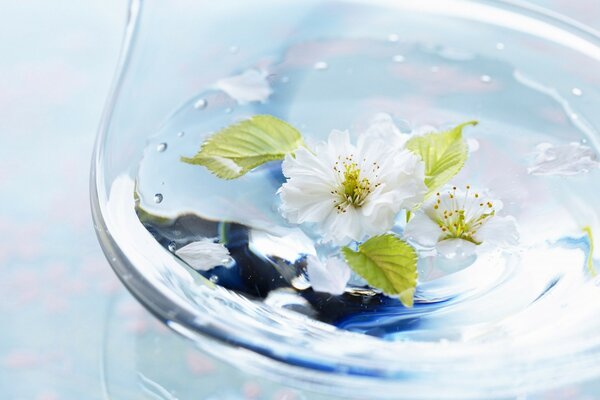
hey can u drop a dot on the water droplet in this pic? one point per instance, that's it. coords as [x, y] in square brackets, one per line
[285, 79]
[576, 91]
[398, 58]
[500, 46]
[214, 278]
[234, 49]
[393, 38]
[180, 134]
[321, 65]
[161, 147]
[200, 104]
[435, 68]
[158, 198]
[485, 78]
[473, 145]
[172, 247]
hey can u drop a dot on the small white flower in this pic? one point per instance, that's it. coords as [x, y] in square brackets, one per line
[456, 222]
[350, 191]
[251, 85]
[329, 277]
[204, 254]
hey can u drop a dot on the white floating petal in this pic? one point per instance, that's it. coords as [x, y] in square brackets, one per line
[329, 277]
[204, 254]
[251, 85]
[569, 159]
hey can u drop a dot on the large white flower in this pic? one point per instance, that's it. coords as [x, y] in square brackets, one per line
[456, 222]
[350, 191]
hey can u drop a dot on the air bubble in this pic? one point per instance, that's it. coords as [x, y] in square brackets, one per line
[172, 247]
[576, 91]
[393, 38]
[228, 110]
[485, 78]
[321, 65]
[214, 278]
[161, 147]
[158, 198]
[398, 58]
[500, 46]
[200, 104]
[180, 134]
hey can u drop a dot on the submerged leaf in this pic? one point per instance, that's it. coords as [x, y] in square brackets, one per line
[235, 150]
[444, 154]
[387, 263]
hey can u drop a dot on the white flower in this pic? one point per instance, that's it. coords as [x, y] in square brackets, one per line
[330, 277]
[350, 191]
[251, 85]
[204, 254]
[456, 222]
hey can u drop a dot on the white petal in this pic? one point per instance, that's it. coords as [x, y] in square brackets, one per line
[338, 144]
[456, 248]
[204, 254]
[422, 230]
[409, 182]
[341, 228]
[499, 231]
[251, 85]
[568, 159]
[382, 128]
[331, 277]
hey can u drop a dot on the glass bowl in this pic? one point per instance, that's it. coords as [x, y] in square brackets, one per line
[174, 50]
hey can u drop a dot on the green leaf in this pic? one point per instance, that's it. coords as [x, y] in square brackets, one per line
[235, 150]
[444, 154]
[387, 263]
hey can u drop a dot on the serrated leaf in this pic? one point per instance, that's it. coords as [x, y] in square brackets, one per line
[235, 150]
[387, 263]
[444, 154]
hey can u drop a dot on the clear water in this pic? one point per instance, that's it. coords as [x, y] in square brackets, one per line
[341, 84]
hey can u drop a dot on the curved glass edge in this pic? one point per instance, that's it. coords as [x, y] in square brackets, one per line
[227, 344]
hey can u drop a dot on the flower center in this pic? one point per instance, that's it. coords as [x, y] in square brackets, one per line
[461, 218]
[354, 189]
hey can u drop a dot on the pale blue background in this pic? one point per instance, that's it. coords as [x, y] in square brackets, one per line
[68, 330]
